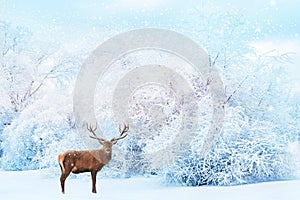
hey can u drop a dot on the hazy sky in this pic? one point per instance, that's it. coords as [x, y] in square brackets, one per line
[74, 19]
[72, 14]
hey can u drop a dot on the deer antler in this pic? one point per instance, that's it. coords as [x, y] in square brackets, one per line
[92, 130]
[123, 133]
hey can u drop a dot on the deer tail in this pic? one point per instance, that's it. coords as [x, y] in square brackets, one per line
[61, 162]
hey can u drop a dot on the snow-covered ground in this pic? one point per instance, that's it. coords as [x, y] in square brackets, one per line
[33, 185]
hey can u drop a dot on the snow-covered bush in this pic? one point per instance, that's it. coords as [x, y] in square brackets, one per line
[247, 152]
[40, 133]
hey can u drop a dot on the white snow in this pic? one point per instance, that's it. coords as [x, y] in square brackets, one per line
[33, 185]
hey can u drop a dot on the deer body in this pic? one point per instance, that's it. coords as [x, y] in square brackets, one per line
[73, 160]
[87, 160]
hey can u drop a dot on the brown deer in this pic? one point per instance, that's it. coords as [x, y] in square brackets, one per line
[88, 160]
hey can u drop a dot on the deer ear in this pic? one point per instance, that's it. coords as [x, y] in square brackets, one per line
[114, 142]
[101, 142]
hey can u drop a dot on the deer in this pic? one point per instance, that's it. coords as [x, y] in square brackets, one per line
[93, 160]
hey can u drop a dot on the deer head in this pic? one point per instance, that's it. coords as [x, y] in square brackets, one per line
[107, 144]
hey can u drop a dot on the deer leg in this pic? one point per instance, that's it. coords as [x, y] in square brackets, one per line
[62, 183]
[63, 177]
[94, 174]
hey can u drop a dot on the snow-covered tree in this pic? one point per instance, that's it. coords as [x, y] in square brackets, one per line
[262, 115]
[27, 66]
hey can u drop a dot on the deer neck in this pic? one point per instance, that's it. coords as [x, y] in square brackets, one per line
[104, 156]
[101, 155]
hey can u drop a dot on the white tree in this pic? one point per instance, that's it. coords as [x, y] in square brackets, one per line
[28, 72]
[262, 112]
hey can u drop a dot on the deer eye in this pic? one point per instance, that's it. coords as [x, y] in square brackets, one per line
[107, 150]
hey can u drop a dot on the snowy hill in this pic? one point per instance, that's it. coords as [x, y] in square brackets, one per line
[31, 185]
